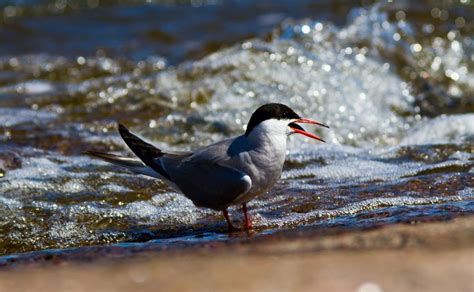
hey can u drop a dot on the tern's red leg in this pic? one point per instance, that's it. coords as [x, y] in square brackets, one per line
[248, 221]
[231, 228]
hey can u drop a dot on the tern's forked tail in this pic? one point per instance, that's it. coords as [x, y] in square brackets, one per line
[145, 151]
[132, 164]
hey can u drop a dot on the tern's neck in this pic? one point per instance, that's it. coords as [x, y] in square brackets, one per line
[270, 134]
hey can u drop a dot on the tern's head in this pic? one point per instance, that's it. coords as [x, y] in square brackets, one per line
[278, 119]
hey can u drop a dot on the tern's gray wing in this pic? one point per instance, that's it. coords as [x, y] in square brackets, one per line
[208, 177]
[209, 184]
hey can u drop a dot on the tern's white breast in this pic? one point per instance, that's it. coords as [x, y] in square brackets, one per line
[266, 156]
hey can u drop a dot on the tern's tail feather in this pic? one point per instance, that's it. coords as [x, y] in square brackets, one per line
[145, 151]
[116, 159]
[132, 164]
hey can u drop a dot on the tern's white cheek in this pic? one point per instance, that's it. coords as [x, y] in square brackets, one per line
[273, 131]
[272, 127]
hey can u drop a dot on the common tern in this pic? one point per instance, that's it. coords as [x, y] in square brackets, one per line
[230, 172]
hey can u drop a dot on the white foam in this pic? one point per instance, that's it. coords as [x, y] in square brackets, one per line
[358, 207]
[363, 170]
[113, 188]
[442, 130]
[14, 116]
[35, 87]
[10, 203]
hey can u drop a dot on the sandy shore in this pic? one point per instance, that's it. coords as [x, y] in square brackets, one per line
[423, 257]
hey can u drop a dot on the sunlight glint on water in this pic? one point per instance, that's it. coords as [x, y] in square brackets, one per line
[392, 155]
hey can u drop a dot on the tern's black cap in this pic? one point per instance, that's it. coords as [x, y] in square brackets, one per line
[270, 111]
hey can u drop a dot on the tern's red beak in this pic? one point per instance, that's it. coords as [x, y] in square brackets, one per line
[298, 129]
[308, 121]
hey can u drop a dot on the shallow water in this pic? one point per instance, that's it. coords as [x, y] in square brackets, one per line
[394, 81]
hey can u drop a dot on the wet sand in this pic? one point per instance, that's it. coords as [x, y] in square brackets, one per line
[436, 256]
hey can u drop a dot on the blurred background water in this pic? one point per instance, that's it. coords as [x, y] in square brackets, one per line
[393, 79]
